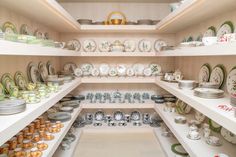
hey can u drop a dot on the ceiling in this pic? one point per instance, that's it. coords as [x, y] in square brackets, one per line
[118, 1]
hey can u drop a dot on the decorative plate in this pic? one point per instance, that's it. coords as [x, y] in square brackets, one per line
[211, 32]
[217, 75]
[104, 46]
[204, 73]
[113, 72]
[38, 34]
[121, 70]
[135, 116]
[78, 72]
[118, 115]
[138, 69]
[145, 45]
[9, 27]
[89, 45]
[95, 72]
[179, 150]
[159, 44]
[70, 67]
[24, 29]
[7, 82]
[214, 126]
[34, 73]
[199, 116]
[2, 90]
[156, 68]
[46, 36]
[182, 107]
[73, 44]
[51, 69]
[86, 69]
[147, 72]
[231, 82]
[104, 69]
[130, 72]
[226, 28]
[20, 80]
[228, 136]
[99, 116]
[43, 71]
[130, 45]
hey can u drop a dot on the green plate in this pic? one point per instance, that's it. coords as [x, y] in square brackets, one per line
[9, 27]
[214, 126]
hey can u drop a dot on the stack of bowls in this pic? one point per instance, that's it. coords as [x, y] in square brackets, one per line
[187, 84]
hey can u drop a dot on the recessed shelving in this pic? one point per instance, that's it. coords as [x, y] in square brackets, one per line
[117, 54]
[117, 105]
[208, 107]
[195, 148]
[12, 124]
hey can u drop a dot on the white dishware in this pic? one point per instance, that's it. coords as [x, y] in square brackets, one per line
[117, 46]
[130, 45]
[199, 116]
[89, 45]
[86, 68]
[147, 72]
[204, 73]
[138, 69]
[228, 136]
[78, 72]
[206, 132]
[156, 68]
[213, 141]
[95, 72]
[145, 45]
[104, 69]
[113, 72]
[211, 32]
[218, 75]
[121, 69]
[159, 44]
[104, 46]
[187, 84]
[130, 72]
[194, 135]
[207, 41]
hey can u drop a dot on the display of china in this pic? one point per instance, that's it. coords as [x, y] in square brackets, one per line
[117, 46]
[226, 28]
[178, 75]
[231, 86]
[187, 84]
[207, 41]
[104, 46]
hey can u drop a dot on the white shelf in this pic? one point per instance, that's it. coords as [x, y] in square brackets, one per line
[117, 54]
[117, 106]
[22, 49]
[118, 28]
[166, 142]
[223, 49]
[53, 145]
[47, 12]
[118, 80]
[195, 148]
[208, 107]
[193, 12]
[14, 123]
[70, 152]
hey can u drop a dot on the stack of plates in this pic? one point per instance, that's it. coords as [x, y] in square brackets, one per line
[187, 84]
[208, 93]
[209, 85]
[12, 106]
[233, 101]
[59, 116]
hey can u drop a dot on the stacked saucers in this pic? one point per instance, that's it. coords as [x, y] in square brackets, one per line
[8, 107]
[208, 93]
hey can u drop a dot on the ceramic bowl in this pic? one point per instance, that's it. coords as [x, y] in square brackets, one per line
[209, 40]
[187, 84]
[84, 21]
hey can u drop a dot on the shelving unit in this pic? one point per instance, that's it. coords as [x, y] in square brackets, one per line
[208, 107]
[117, 54]
[165, 142]
[117, 106]
[195, 148]
[53, 145]
[12, 124]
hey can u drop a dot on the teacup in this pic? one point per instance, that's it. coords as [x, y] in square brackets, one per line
[194, 135]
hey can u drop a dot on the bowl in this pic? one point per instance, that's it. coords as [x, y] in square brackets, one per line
[187, 84]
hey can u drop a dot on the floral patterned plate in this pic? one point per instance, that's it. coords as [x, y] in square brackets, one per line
[204, 73]
[159, 44]
[89, 45]
[231, 82]
[104, 46]
[145, 45]
[130, 45]
[217, 75]
[226, 28]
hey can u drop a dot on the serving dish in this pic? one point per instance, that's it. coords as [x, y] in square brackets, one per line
[78, 72]
[69, 67]
[214, 126]
[119, 19]
[208, 93]
[104, 69]
[73, 44]
[182, 107]
[71, 103]
[9, 28]
[86, 69]
[180, 120]
[199, 116]
[121, 70]
[117, 46]
[66, 109]
[144, 22]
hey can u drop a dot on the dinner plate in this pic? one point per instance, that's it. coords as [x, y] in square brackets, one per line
[147, 72]
[118, 116]
[211, 32]
[104, 46]
[73, 44]
[51, 69]
[20, 80]
[95, 72]
[156, 68]
[138, 69]
[226, 28]
[208, 93]
[8, 107]
[70, 67]
[159, 44]
[89, 45]
[204, 73]
[145, 45]
[9, 28]
[7, 82]
[135, 116]
[231, 82]
[113, 72]
[99, 115]
[130, 45]
[33, 72]
[218, 75]
[104, 69]
[130, 72]
[78, 72]
[43, 71]
[121, 69]
[228, 136]
[86, 69]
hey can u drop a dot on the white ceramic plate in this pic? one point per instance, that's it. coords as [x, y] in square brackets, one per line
[156, 68]
[130, 45]
[78, 72]
[104, 69]
[130, 72]
[145, 45]
[104, 46]
[95, 72]
[113, 72]
[204, 73]
[228, 136]
[211, 32]
[138, 69]
[147, 72]
[231, 82]
[159, 44]
[70, 67]
[74, 44]
[86, 68]
[226, 28]
[121, 69]
[217, 75]
[89, 45]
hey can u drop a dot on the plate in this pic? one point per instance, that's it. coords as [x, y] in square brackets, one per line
[73, 44]
[179, 149]
[9, 28]
[214, 126]
[7, 82]
[208, 93]
[135, 116]
[104, 69]
[70, 67]
[38, 34]
[59, 116]
[226, 28]
[25, 30]
[95, 72]
[130, 45]
[8, 107]
[159, 44]
[199, 116]
[118, 115]
[113, 72]
[147, 72]
[130, 72]
[121, 70]
[20, 80]
[228, 136]
[156, 68]
[104, 46]
[231, 82]
[217, 75]
[145, 45]
[78, 72]
[204, 73]
[182, 107]
[51, 69]
[138, 69]
[89, 45]
[43, 71]
[99, 116]
[211, 32]
[33, 73]
[86, 69]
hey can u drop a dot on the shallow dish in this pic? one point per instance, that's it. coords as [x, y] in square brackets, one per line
[85, 21]
[8, 107]
[187, 84]
[71, 103]
[208, 93]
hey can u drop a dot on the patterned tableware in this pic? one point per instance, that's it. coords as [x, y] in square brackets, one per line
[130, 45]
[204, 73]
[89, 45]
[145, 45]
